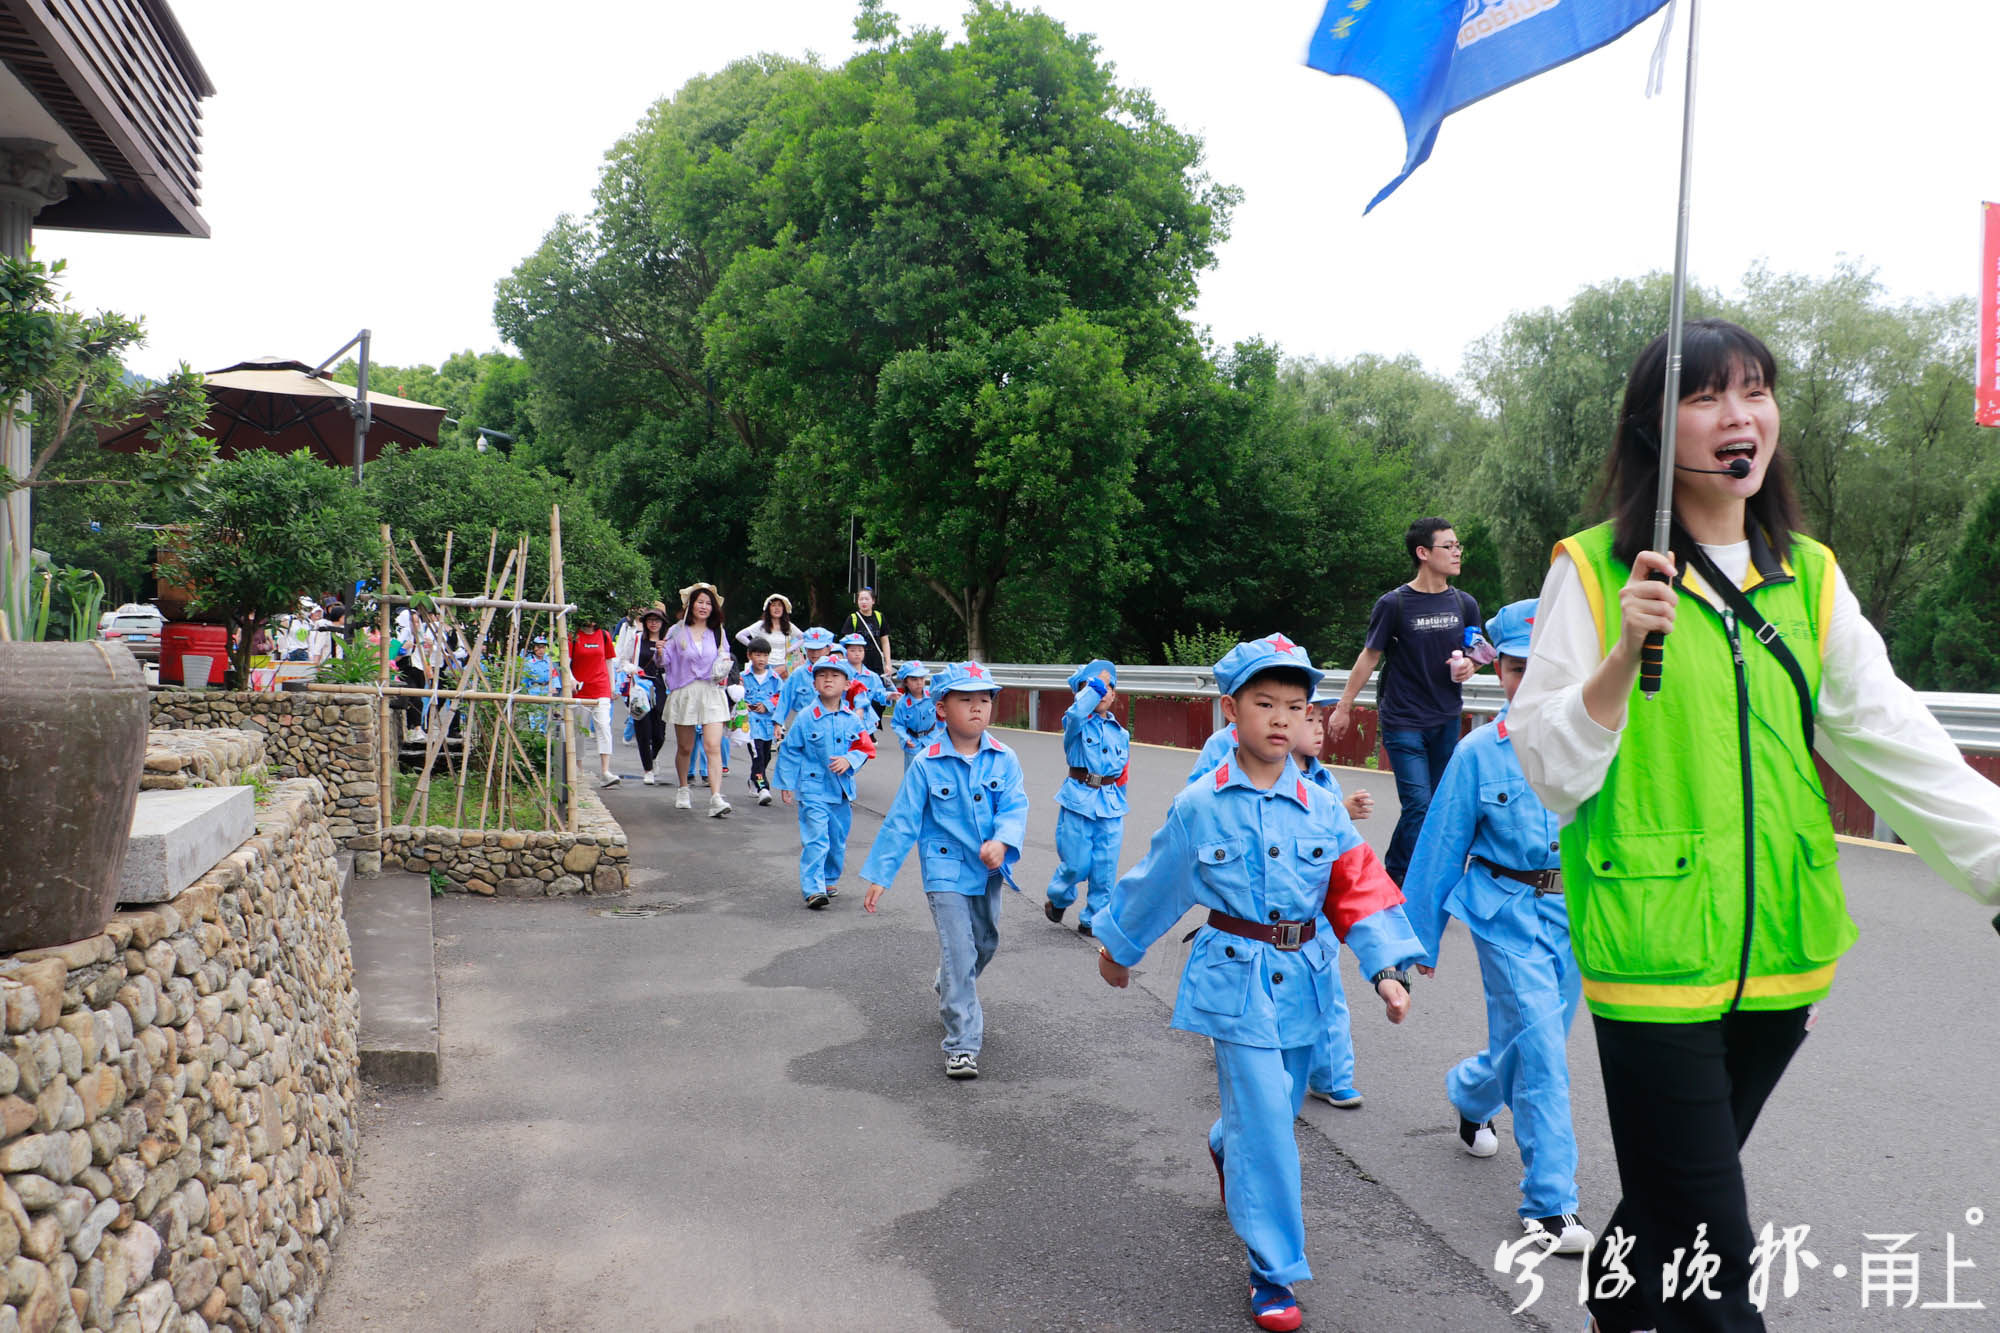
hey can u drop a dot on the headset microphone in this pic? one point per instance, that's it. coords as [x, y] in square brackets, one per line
[1738, 468]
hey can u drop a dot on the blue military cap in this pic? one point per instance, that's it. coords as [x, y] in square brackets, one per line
[1512, 627]
[964, 678]
[909, 669]
[816, 638]
[1102, 670]
[840, 664]
[854, 641]
[1245, 660]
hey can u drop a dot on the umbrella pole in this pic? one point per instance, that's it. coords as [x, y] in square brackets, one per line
[1652, 655]
[361, 411]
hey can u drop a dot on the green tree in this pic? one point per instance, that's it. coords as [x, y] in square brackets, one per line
[269, 526]
[1951, 641]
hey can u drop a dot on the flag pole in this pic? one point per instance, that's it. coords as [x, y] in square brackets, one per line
[1652, 654]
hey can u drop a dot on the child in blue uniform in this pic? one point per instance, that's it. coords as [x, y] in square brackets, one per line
[1278, 863]
[915, 715]
[761, 687]
[799, 689]
[1214, 750]
[1488, 856]
[1090, 823]
[1331, 1078]
[824, 749]
[964, 802]
[872, 696]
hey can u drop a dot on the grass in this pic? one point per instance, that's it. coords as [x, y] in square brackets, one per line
[259, 781]
[525, 812]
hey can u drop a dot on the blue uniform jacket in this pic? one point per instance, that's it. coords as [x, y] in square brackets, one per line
[1098, 744]
[947, 806]
[872, 700]
[913, 721]
[1484, 807]
[1286, 854]
[536, 673]
[1213, 751]
[1321, 775]
[763, 690]
[798, 693]
[817, 738]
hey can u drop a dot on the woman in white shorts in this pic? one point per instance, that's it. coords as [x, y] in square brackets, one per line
[695, 662]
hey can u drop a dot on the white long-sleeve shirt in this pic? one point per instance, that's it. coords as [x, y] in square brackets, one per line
[1870, 727]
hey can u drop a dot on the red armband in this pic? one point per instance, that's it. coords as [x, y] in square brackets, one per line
[1125, 776]
[1358, 886]
[866, 744]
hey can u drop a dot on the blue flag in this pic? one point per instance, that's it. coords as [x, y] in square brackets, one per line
[1433, 57]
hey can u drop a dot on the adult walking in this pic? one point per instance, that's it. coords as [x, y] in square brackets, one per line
[775, 628]
[649, 729]
[695, 661]
[1417, 633]
[591, 653]
[866, 621]
[1698, 856]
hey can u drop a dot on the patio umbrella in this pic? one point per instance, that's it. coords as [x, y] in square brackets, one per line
[283, 405]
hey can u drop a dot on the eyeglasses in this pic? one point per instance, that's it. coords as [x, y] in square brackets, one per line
[1447, 546]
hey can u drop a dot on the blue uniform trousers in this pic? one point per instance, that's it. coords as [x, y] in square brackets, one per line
[968, 927]
[1333, 1057]
[822, 844]
[1262, 1089]
[1530, 1003]
[1086, 850]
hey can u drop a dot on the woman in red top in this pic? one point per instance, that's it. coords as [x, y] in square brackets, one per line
[590, 654]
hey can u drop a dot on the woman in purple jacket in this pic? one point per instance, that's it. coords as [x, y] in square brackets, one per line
[695, 661]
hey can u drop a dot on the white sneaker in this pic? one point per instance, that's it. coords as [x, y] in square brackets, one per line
[717, 805]
[609, 780]
[1563, 1233]
[648, 779]
[683, 799]
[764, 796]
[1478, 1140]
[415, 734]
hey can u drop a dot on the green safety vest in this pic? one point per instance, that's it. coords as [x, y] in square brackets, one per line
[1700, 878]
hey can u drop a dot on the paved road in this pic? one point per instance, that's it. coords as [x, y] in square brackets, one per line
[732, 1114]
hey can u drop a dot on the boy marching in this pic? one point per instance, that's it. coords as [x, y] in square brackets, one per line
[823, 750]
[1090, 823]
[761, 688]
[914, 718]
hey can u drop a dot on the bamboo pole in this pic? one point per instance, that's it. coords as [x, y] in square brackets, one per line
[417, 692]
[444, 570]
[562, 625]
[436, 742]
[486, 589]
[507, 682]
[385, 744]
[477, 603]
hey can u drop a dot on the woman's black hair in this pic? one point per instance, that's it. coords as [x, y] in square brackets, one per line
[784, 617]
[1714, 352]
[714, 615]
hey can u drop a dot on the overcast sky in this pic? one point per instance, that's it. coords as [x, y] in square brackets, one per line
[383, 164]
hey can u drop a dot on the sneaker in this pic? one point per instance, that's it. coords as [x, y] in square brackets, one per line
[609, 780]
[1221, 1185]
[1273, 1306]
[961, 1064]
[937, 982]
[718, 805]
[817, 900]
[1053, 913]
[1345, 1098]
[764, 796]
[1479, 1140]
[833, 890]
[1083, 927]
[1563, 1233]
[415, 734]
[648, 780]
[683, 799]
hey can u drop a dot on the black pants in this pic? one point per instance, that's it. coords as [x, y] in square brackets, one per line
[760, 759]
[650, 729]
[1682, 1099]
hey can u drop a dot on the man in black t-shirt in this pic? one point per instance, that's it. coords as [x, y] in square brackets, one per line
[1417, 631]
[866, 621]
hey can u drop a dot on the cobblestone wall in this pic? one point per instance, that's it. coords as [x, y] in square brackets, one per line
[219, 757]
[326, 736]
[177, 1099]
[594, 859]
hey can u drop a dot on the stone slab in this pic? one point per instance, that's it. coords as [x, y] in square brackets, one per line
[178, 836]
[395, 976]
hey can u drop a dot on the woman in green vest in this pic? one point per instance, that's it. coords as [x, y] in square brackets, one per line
[1698, 853]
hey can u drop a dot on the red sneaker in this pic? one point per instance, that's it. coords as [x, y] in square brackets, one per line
[1273, 1307]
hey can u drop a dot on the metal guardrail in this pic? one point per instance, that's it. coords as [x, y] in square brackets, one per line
[1971, 720]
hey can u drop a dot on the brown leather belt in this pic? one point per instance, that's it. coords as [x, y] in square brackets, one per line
[1545, 883]
[1285, 936]
[1090, 779]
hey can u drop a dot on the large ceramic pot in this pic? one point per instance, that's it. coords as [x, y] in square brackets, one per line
[73, 720]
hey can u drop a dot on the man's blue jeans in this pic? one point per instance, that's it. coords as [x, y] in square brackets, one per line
[1418, 757]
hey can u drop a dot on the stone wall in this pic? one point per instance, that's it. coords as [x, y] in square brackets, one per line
[221, 757]
[594, 859]
[178, 1098]
[326, 736]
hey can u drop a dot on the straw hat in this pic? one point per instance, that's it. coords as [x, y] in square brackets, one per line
[778, 597]
[714, 593]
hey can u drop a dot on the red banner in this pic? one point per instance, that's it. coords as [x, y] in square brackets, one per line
[1987, 412]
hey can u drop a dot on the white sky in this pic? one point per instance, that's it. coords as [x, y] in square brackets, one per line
[383, 164]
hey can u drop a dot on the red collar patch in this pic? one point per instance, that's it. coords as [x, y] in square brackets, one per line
[1222, 777]
[937, 748]
[1500, 727]
[1303, 799]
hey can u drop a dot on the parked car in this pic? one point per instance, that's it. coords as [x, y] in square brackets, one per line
[137, 627]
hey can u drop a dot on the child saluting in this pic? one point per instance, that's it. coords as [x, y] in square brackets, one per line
[1275, 859]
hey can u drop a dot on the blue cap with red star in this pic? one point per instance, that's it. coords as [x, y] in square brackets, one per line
[853, 641]
[1247, 660]
[839, 664]
[964, 677]
[816, 638]
[1513, 627]
[1100, 670]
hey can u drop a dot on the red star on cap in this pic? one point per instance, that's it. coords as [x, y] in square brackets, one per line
[976, 671]
[1282, 644]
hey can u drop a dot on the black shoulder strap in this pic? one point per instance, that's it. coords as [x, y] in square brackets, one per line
[1765, 632]
[1466, 617]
